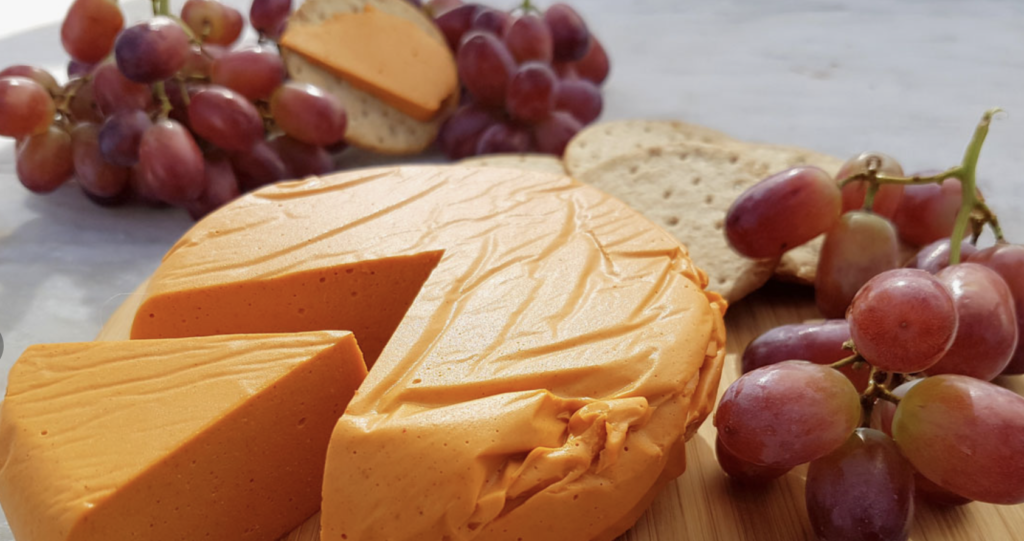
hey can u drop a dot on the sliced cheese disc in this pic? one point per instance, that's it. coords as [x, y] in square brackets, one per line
[207, 438]
[552, 353]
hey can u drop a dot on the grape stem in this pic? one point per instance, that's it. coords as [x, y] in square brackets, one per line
[852, 359]
[165, 104]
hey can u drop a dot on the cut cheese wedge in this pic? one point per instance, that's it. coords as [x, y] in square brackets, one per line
[208, 438]
[553, 349]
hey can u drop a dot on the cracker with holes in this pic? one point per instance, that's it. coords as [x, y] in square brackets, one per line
[544, 163]
[386, 62]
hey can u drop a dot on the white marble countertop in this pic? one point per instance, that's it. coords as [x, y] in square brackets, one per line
[910, 78]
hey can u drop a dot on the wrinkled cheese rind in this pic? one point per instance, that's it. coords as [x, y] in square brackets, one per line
[540, 385]
[221, 437]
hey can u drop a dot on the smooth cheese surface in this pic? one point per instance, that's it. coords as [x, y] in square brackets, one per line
[383, 54]
[542, 379]
[207, 438]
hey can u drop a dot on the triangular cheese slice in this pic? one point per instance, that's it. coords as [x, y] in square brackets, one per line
[208, 438]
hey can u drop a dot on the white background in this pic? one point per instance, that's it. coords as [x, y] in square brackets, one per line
[910, 78]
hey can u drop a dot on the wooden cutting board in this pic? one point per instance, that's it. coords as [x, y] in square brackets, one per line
[703, 505]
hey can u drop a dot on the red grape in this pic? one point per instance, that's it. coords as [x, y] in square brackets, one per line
[529, 38]
[785, 414]
[38, 75]
[580, 98]
[743, 471]
[254, 71]
[1008, 261]
[78, 69]
[171, 163]
[83, 106]
[26, 108]
[887, 198]
[461, 132]
[819, 343]
[927, 212]
[258, 166]
[95, 175]
[212, 21]
[903, 320]
[531, 92]
[593, 67]
[90, 28]
[569, 34]
[140, 187]
[987, 336]
[114, 92]
[455, 22]
[935, 256]
[151, 51]
[503, 138]
[862, 490]
[485, 67]
[302, 159]
[966, 435]
[491, 20]
[120, 135]
[883, 410]
[267, 15]
[308, 114]
[45, 161]
[553, 134]
[221, 187]
[224, 118]
[782, 212]
[932, 493]
[860, 246]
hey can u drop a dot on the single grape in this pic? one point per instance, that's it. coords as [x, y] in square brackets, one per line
[459, 135]
[90, 28]
[888, 196]
[569, 34]
[95, 175]
[171, 163]
[212, 21]
[258, 166]
[44, 161]
[785, 414]
[485, 67]
[593, 67]
[743, 471]
[83, 106]
[140, 188]
[935, 256]
[580, 98]
[221, 187]
[782, 212]
[819, 343]
[491, 20]
[883, 410]
[455, 22]
[26, 108]
[502, 138]
[254, 71]
[860, 246]
[151, 51]
[987, 336]
[225, 118]
[120, 136]
[966, 435]
[1008, 261]
[903, 320]
[267, 15]
[927, 212]
[554, 133]
[925, 490]
[308, 114]
[302, 159]
[862, 490]
[531, 93]
[114, 92]
[529, 38]
[38, 75]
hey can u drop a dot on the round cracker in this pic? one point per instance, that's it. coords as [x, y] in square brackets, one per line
[544, 163]
[372, 124]
[687, 189]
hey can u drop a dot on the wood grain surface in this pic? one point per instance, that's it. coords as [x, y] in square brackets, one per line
[703, 505]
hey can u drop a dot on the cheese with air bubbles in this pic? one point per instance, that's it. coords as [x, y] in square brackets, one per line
[541, 351]
[171, 440]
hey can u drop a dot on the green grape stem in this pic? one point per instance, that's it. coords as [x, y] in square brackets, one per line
[165, 104]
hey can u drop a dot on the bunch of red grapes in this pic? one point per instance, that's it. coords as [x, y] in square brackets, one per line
[890, 400]
[531, 81]
[164, 112]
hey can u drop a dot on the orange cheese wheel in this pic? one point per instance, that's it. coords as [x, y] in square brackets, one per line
[541, 352]
[221, 437]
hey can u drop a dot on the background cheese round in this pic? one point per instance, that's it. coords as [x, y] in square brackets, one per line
[551, 349]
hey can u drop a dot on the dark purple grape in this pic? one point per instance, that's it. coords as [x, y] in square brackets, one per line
[267, 15]
[152, 50]
[485, 67]
[302, 159]
[531, 93]
[225, 118]
[258, 166]
[221, 187]
[503, 138]
[171, 163]
[120, 136]
[569, 34]
[96, 176]
[78, 69]
[461, 132]
[492, 20]
[529, 38]
[455, 22]
[553, 134]
[580, 98]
